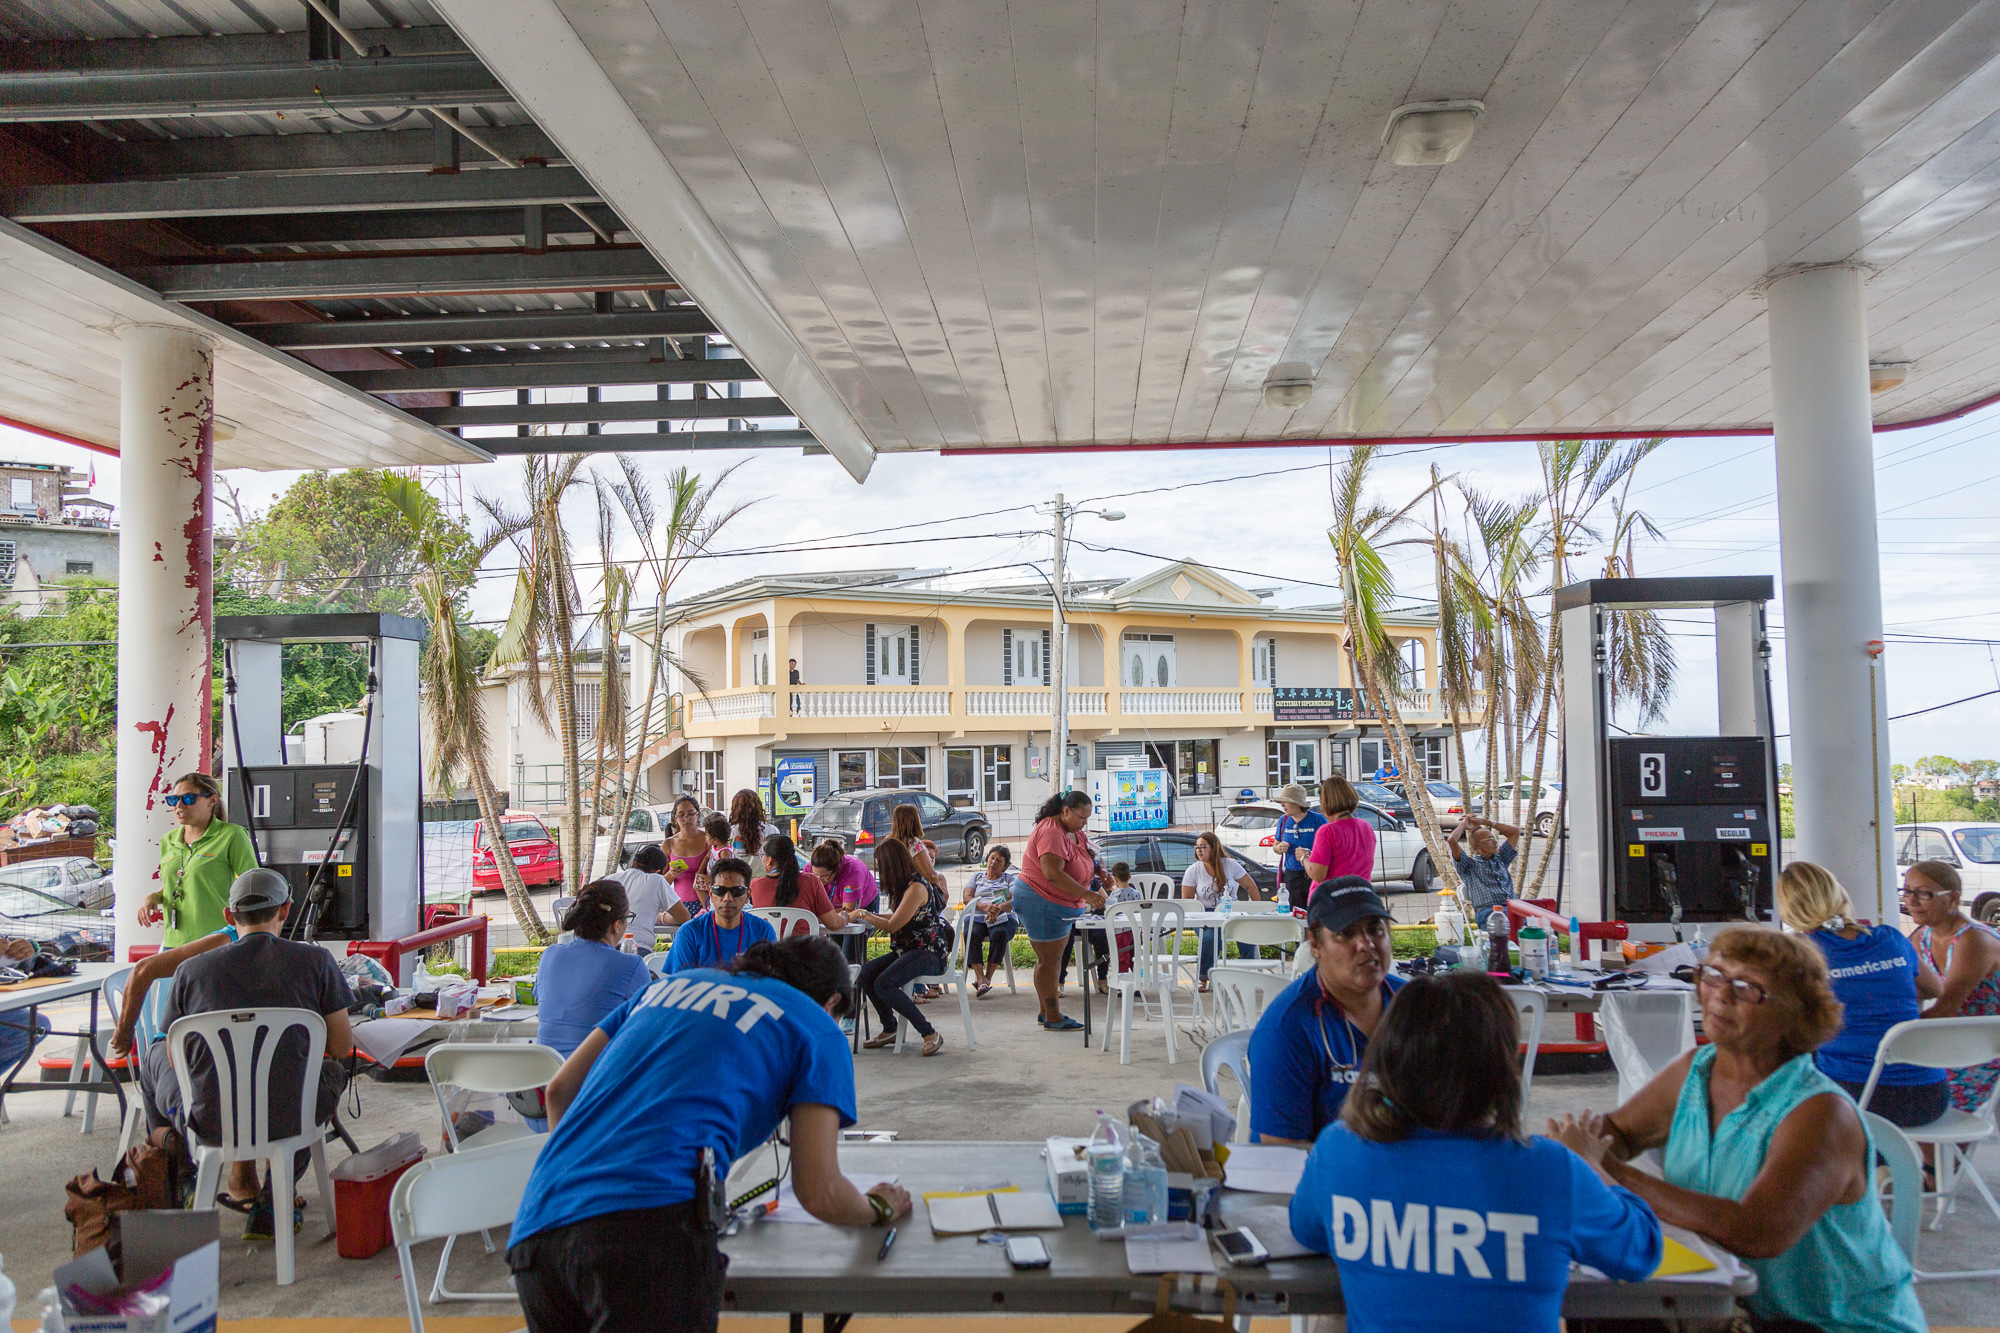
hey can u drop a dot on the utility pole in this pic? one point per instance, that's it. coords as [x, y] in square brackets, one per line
[1059, 667]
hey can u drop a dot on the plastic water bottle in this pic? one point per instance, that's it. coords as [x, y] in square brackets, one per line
[1145, 1183]
[1107, 1175]
[1498, 961]
[1228, 900]
[631, 945]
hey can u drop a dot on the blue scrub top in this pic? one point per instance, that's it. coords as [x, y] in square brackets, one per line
[702, 943]
[579, 982]
[1303, 1058]
[1296, 836]
[700, 1059]
[1449, 1232]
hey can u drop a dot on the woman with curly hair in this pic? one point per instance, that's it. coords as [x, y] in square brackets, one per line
[1764, 1154]
[747, 821]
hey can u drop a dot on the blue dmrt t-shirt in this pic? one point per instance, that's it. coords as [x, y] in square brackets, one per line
[1303, 1058]
[701, 1059]
[1875, 976]
[1449, 1232]
[1295, 836]
[702, 943]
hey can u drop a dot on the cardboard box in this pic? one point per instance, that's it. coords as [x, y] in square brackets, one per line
[1069, 1175]
[185, 1245]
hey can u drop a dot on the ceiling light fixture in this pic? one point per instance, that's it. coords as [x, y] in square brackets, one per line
[1288, 385]
[1886, 375]
[222, 428]
[1430, 134]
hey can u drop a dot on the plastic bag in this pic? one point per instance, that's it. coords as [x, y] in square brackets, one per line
[1645, 1031]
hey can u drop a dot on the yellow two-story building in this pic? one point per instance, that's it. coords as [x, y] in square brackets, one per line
[909, 679]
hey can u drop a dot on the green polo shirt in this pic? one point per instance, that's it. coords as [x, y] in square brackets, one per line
[195, 878]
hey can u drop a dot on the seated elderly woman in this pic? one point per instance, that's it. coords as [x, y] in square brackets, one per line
[1428, 1155]
[1764, 1154]
[1878, 979]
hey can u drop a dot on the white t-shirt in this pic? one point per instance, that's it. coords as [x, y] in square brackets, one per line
[649, 895]
[1206, 890]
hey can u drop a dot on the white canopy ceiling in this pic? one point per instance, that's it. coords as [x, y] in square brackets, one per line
[974, 223]
[60, 316]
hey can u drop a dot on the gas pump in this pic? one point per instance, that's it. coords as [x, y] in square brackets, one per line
[1669, 831]
[346, 835]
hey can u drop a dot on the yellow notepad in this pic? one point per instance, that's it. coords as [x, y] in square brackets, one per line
[1676, 1259]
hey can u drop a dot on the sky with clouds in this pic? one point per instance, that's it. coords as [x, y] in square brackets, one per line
[1262, 513]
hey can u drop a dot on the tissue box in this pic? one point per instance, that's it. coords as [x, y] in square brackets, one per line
[457, 1000]
[183, 1245]
[1069, 1175]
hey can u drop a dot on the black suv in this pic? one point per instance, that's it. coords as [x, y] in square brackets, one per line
[1170, 854]
[858, 820]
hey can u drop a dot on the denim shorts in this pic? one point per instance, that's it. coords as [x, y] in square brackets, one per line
[1043, 921]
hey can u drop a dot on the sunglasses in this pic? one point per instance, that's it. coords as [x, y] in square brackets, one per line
[729, 890]
[189, 799]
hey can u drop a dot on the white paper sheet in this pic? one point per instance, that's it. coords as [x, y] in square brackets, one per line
[789, 1208]
[1263, 1168]
[1182, 1249]
[385, 1039]
[1191, 1102]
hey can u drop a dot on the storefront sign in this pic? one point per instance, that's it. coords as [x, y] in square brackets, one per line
[1323, 704]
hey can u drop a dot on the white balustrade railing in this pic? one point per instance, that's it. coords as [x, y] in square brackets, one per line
[730, 707]
[1260, 701]
[876, 702]
[1152, 703]
[1009, 703]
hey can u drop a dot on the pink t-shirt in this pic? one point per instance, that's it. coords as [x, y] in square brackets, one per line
[1051, 838]
[684, 881]
[812, 895]
[855, 884]
[1344, 847]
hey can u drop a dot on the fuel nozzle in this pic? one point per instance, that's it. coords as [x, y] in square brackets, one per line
[1745, 875]
[1666, 878]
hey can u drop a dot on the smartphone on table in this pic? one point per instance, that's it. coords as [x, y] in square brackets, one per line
[1027, 1252]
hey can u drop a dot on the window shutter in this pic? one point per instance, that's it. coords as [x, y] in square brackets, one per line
[914, 678]
[1271, 660]
[1006, 657]
[1048, 678]
[868, 650]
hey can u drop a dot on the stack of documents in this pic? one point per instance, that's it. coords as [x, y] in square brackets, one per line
[1264, 1168]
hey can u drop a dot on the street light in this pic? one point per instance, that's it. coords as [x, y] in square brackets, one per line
[1059, 675]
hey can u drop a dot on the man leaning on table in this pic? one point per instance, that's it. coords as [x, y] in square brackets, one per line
[1309, 1043]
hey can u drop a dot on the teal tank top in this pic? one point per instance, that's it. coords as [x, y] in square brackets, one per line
[1846, 1274]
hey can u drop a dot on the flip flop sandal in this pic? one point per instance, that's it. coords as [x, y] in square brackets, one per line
[236, 1205]
[979, 991]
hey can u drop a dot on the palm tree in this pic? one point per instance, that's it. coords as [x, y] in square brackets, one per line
[450, 672]
[1360, 533]
[543, 623]
[669, 539]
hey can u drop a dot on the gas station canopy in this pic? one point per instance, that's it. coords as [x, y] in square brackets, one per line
[1086, 225]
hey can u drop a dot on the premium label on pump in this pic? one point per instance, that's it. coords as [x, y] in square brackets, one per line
[1662, 835]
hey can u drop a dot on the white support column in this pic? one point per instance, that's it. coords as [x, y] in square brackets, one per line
[165, 587]
[1832, 582]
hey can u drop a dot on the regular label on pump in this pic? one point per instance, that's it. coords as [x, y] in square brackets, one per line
[1737, 834]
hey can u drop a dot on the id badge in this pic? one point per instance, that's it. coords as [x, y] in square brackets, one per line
[173, 916]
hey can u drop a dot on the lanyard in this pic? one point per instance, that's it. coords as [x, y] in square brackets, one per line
[1354, 1037]
[715, 933]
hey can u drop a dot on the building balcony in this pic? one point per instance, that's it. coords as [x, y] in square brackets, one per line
[805, 710]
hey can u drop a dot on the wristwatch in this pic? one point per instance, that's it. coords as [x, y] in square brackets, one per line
[883, 1210]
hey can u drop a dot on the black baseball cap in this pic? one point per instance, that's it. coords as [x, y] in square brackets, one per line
[1339, 903]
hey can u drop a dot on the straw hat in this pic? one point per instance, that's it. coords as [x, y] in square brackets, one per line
[1292, 793]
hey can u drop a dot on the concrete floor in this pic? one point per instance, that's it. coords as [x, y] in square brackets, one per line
[1020, 1083]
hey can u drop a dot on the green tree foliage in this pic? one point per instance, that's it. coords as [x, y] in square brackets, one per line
[58, 705]
[334, 539]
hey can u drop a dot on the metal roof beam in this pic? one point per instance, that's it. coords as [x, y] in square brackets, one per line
[139, 201]
[494, 225]
[434, 273]
[507, 446]
[536, 326]
[644, 409]
[242, 48]
[580, 369]
[302, 154]
[236, 90]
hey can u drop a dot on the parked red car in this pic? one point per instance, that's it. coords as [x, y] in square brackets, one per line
[532, 847]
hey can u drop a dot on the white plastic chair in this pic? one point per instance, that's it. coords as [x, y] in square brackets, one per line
[1152, 884]
[1946, 1043]
[1157, 931]
[1533, 1007]
[251, 1037]
[1241, 993]
[82, 1066]
[656, 963]
[486, 1067]
[1906, 1182]
[1230, 1052]
[1260, 929]
[953, 976]
[787, 920]
[474, 1190]
[967, 918]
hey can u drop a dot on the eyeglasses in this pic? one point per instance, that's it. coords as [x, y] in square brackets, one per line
[189, 799]
[729, 890]
[1912, 895]
[1741, 989]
